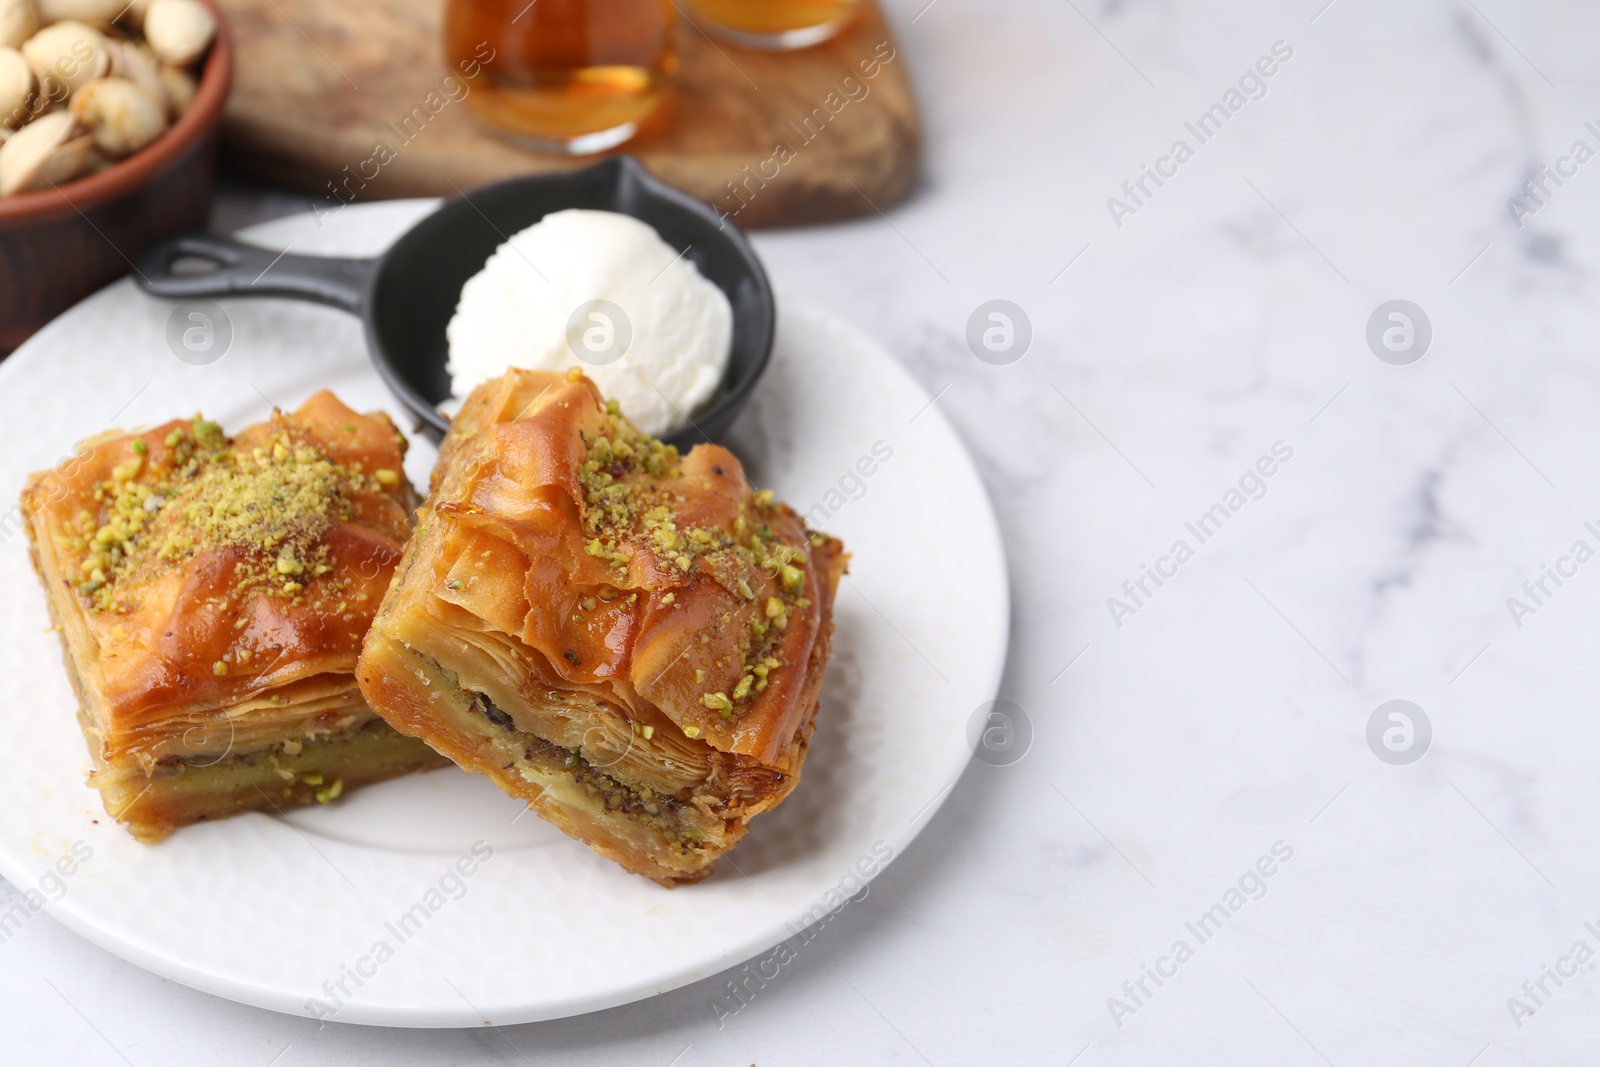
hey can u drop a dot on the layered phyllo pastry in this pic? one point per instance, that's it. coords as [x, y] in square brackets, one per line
[631, 641]
[211, 594]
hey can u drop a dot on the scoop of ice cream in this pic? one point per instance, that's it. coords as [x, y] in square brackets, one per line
[603, 292]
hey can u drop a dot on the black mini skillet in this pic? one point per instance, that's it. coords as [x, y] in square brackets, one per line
[407, 296]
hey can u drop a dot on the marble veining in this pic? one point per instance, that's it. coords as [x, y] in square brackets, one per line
[1425, 901]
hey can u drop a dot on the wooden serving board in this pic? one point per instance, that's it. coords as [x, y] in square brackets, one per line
[319, 85]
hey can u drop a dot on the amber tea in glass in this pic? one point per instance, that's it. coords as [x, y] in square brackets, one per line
[774, 24]
[573, 76]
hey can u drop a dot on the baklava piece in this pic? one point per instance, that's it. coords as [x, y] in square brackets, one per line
[211, 596]
[630, 641]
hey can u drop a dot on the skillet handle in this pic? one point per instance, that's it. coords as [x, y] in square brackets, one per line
[251, 270]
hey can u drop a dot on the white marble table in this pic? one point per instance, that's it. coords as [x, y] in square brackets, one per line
[1213, 727]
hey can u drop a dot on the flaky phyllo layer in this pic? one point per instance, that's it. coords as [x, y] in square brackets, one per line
[211, 594]
[630, 640]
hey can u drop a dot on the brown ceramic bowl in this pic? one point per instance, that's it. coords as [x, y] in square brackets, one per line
[60, 245]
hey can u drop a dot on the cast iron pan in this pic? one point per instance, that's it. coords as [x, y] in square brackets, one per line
[407, 295]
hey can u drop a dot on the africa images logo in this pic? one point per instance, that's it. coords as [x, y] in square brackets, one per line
[1252, 885]
[1252, 485]
[1252, 85]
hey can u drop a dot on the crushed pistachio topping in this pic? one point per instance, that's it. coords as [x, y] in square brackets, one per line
[630, 504]
[156, 513]
[621, 478]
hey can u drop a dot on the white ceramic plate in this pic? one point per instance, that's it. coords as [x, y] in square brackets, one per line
[360, 911]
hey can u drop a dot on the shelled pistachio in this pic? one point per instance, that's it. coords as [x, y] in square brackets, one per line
[120, 116]
[179, 31]
[179, 87]
[135, 61]
[16, 88]
[67, 56]
[46, 152]
[19, 20]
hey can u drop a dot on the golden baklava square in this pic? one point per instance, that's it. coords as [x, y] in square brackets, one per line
[630, 640]
[212, 594]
